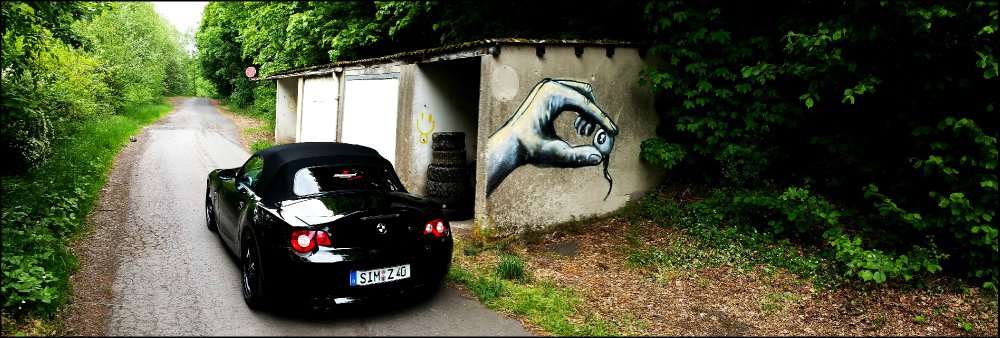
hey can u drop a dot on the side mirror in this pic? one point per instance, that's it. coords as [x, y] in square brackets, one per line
[227, 174]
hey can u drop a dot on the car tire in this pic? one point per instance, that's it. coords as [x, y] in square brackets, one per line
[210, 213]
[445, 189]
[448, 141]
[447, 174]
[254, 287]
[448, 158]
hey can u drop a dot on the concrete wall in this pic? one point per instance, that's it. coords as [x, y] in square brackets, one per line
[319, 109]
[286, 109]
[435, 97]
[538, 181]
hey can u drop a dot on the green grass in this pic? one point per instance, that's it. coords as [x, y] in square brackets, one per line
[260, 145]
[47, 207]
[506, 287]
[510, 267]
[776, 302]
[709, 242]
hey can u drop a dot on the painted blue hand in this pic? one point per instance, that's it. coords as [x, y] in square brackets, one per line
[529, 137]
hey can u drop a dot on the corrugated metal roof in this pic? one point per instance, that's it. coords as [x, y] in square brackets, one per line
[456, 51]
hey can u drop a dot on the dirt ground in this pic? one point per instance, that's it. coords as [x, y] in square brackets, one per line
[731, 302]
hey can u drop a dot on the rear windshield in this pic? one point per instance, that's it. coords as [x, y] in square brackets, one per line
[321, 179]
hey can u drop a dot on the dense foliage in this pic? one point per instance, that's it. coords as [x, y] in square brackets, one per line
[807, 113]
[66, 62]
[78, 79]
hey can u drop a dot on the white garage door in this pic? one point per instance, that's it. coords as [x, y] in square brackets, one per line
[319, 110]
[370, 114]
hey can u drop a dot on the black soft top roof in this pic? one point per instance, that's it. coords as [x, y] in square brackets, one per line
[283, 161]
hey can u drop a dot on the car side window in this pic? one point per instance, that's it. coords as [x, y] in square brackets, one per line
[251, 171]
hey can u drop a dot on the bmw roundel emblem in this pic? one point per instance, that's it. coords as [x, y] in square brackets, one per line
[381, 228]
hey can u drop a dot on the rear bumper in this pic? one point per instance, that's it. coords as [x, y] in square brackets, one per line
[326, 274]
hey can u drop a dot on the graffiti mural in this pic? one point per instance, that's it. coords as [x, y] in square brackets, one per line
[529, 137]
[425, 135]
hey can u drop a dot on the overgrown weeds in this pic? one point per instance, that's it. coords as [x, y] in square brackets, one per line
[791, 229]
[47, 207]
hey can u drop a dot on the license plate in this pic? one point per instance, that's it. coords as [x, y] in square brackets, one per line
[383, 275]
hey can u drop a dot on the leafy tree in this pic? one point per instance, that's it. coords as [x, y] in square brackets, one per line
[31, 31]
[219, 46]
[140, 50]
[31, 28]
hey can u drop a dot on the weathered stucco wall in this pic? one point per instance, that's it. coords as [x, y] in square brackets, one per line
[526, 178]
[434, 97]
[286, 104]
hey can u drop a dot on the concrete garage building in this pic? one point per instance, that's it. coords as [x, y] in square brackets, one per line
[552, 128]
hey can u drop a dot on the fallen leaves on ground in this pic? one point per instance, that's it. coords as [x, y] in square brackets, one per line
[723, 301]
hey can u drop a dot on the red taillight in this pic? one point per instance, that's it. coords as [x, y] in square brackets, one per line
[302, 240]
[436, 227]
[305, 240]
[322, 238]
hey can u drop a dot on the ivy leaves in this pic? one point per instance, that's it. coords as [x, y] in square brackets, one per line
[848, 95]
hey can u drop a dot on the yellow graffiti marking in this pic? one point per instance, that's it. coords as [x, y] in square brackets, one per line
[424, 136]
[291, 103]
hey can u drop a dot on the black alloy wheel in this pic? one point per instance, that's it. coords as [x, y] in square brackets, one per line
[253, 279]
[210, 213]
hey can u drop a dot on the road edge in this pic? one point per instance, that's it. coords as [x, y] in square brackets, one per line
[91, 302]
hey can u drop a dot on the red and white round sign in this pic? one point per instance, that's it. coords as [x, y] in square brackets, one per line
[251, 71]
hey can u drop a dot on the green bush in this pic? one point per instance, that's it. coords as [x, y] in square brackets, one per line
[63, 89]
[46, 207]
[510, 267]
[723, 235]
[851, 97]
[35, 262]
[793, 213]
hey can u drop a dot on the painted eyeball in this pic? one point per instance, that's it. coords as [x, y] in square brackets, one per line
[603, 142]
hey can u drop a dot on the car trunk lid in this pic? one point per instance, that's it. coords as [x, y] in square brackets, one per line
[363, 219]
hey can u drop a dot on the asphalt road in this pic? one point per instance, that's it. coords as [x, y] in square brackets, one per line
[175, 277]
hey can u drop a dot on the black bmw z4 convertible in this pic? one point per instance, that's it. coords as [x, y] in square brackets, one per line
[327, 222]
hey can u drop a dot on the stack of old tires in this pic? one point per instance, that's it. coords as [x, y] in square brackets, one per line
[448, 178]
